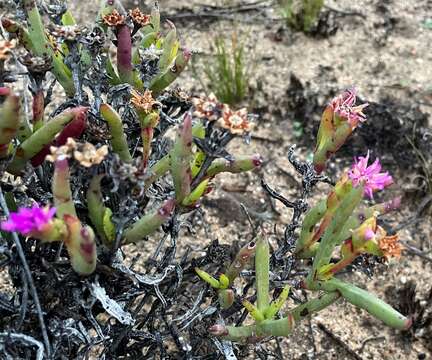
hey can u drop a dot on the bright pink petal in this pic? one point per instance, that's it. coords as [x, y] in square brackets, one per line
[370, 176]
[27, 220]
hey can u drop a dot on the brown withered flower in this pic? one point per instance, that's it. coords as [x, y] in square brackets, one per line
[114, 19]
[390, 246]
[143, 102]
[128, 174]
[180, 94]
[62, 152]
[36, 65]
[139, 18]
[6, 49]
[87, 154]
[207, 107]
[236, 122]
[66, 32]
[93, 38]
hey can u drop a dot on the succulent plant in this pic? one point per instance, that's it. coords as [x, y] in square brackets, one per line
[147, 62]
[336, 222]
[102, 171]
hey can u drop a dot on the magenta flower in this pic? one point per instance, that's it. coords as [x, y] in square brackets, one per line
[343, 105]
[28, 220]
[371, 176]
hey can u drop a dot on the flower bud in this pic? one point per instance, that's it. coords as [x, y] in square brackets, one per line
[338, 121]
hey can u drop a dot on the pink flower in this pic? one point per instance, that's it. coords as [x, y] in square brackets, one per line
[343, 105]
[371, 176]
[28, 220]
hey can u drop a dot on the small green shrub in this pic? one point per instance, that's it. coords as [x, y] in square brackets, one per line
[226, 71]
[301, 15]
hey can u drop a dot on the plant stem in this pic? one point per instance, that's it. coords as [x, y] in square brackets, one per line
[96, 207]
[9, 123]
[149, 223]
[42, 47]
[314, 305]
[61, 189]
[118, 138]
[331, 234]
[42, 137]
[262, 271]
[38, 108]
[369, 302]
[253, 333]
[124, 54]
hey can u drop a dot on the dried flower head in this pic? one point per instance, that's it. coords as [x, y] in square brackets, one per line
[87, 154]
[62, 152]
[236, 122]
[207, 107]
[114, 19]
[94, 38]
[129, 175]
[390, 246]
[6, 49]
[143, 102]
[139, 18]
[66, 32]
[36, 65]
[180, 94]
[28, 220]
[343, 105]
[371, 176]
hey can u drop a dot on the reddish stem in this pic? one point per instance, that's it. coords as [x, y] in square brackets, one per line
[147, 137]
[74, 130]
[348, 259]
[38, 108]
[124, 53]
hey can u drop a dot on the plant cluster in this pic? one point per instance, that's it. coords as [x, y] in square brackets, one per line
[337, 222]
[122, 158]
[147, 62]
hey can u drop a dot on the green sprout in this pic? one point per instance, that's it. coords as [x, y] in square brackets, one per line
[226, 71]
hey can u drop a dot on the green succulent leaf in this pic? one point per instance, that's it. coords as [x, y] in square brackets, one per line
[108, 225]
